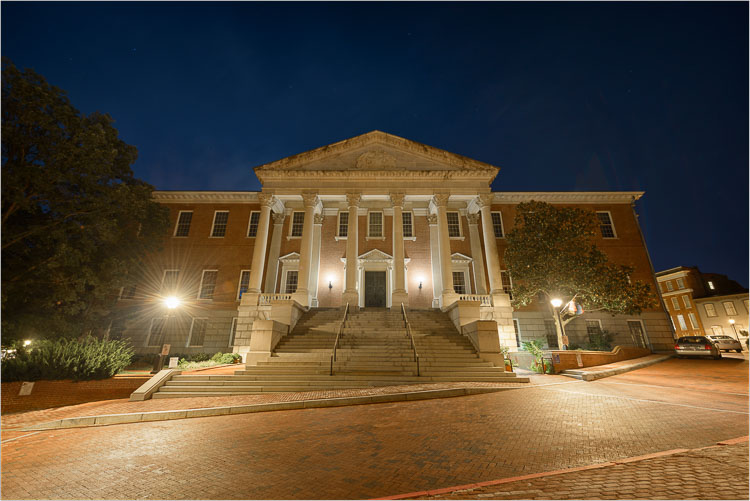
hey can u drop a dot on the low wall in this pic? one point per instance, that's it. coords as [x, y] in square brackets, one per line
[569, 359]
[48, 394]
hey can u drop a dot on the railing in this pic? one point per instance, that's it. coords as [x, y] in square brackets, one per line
[410, 336]
[265, 299]
[485, 299]
[338, 335]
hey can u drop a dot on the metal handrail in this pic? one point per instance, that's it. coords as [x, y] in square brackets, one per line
[410, 336]
[338, 335]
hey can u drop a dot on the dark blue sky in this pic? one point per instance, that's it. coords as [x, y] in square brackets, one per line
[582, 96]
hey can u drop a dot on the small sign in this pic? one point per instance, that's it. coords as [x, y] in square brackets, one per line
[556, 358]
[565, 340]
[579, 360]
[26, 388]
[173, 361]
[165, 349]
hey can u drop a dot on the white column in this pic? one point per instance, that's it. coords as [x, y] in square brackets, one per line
[448, 294]
[399, 270]
[490, 245]
[437, 279]
[261, 239]
[302, 296]
[476, 254]
[315, 267]
[351, 295]
[273, 256]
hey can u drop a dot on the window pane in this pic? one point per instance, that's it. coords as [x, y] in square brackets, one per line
[407, 224]
[693, 320]
[156, 336]
[605, 225]
[593, 327]
[244, 283]
[208, 284]
[252, 231]
[376, 224]
[298, 223]
[128, 292]
[681, 320]
[675, 303]
[343, 224]
[729, 308]
[459, 282]
[551, 332]
[680, 283]
[454, 226]
[169, 283]
[183, 224]
[669, 285]
[686, 300]
[716, 329]
[507, 284]
[220, 223]
[198, 331]
[710, 310]
[497, 224]
[291, 282]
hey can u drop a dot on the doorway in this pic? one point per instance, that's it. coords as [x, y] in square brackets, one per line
[375, 286]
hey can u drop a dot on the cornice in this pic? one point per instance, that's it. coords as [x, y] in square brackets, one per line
[577, 197]
[205, 197]
[271, 174]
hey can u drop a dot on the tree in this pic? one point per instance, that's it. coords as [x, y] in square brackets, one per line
[75, 222]
[551, 254]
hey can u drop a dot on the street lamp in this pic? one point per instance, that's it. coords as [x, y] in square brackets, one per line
[172, 302]
[556, 303]
[734, 328]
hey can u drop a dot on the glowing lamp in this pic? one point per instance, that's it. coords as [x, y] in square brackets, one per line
[172, 302]
[731, 321]
[27, 342]
[556, 302]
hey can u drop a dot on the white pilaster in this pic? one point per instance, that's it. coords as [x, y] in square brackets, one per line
[476, 254]
[437, 280]
[351, 295]
[399, 270]
[490, 245]
[448, 295]
[302, 296]
[315, 267]
[273, 256]
[261, 239]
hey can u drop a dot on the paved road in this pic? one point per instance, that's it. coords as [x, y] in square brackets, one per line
[385, 449]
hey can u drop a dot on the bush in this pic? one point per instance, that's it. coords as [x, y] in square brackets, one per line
[534, 347]
[77, 359]
[203, 360]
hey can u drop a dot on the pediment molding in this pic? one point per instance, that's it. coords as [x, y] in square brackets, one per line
[292, 257]
[577, 197]
[376, 256]
[459, 258]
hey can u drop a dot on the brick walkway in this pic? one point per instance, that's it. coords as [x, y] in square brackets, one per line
[717, 472]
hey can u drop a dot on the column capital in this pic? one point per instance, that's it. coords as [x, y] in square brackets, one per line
[278, 217]
[266, 199]
[310, 199]
[353, 199]
[473, 218]
[441, 199]
[432, 219]
[397, 199]
[318, 219]
[485, 200]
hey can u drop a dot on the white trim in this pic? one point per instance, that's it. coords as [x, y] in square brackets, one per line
[291, 224]
[681, 321]
[460, 226]
[338, 224]
[693, 320]
[177, 224]
[200, 287]
[190, 333]
[708, 314]
[686, 301]
[369, 225]
[249, 223]
[566, 197]
[413, 232]
[462, 263]
[204, 197]
[611, 223]
[239, 283]
[283, 282]
[213, 224]
[502, 223]
[675, 303]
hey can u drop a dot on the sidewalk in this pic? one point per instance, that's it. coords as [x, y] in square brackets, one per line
[602, 371]
[715, 472]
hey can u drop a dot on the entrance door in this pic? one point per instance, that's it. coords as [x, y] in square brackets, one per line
[636, 332]
[375, 289]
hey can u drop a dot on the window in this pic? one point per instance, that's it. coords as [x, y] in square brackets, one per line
[208, 284]
[605, 224]
[593, 328]
[127, 292]
[681, 320]
[497, 224]
[156, 332]
[669, 285]
[408, 224]
[182, 229]
[517, 328]
[197, 332]
[459, 282]
[693, 320]
[680, 283]
[232, 332]
[375, 224]
[711, 285]
[551, 332]
[454, 225]
[219, 228]
[717, 330]
[169, 281]
[343, 224]
[686, 300]
[507, 283]
[675, 303]
[710, 310]
[729, 308]
[252, 229]
[291, 282]
[298, 224]
[115, 331]
[244, 283]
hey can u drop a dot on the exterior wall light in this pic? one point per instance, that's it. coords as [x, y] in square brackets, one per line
[330, 284]
[556, 302]
[172, 302]
[27, 342]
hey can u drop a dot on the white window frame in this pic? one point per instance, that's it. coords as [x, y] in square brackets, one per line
[284, 281]
[200, 287]
[681, 320]
[598, 321]
[370, 236]
[680, 283]
[502, 225]
[467, 283]
[213, 224]
[239, 284]
[726, 310]
[686, 300]
[291, 224]
[693, 320]
[121, 296]
[232, 332]
[611, 223]
[190, 333]
[177, 224]
[675, 303]
[720, 329]
[460, 226]
[250, 223]
[151, 329]
[338, 225]
[413, 233]
[711, 285]
[503, 274]
[710, 308]
[164, 278]
[670, 287]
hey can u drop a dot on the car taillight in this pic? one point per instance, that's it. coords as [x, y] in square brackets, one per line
[677, 347]
[708, 346]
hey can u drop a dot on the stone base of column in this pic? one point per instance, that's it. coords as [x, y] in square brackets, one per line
[399, 297]
[351, 297]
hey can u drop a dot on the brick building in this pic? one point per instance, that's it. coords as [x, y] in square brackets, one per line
[419, 225]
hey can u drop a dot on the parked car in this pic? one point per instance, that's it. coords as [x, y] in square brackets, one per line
[726, 343]
[696, 346]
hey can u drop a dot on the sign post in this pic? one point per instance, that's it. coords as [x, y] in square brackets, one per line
[159, 361]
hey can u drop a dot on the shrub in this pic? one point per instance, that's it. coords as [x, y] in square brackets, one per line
[77, 359]
[534, 347]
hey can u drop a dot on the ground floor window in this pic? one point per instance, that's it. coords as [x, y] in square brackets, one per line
[156, 332]
[551, 333]
[291, 282]
[197, 332]
[459, 282]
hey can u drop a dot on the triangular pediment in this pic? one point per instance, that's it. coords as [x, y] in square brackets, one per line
[457, 257]
[376, 256]
[376, 152]
[290, 258]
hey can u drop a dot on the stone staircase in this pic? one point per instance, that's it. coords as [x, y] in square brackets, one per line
[374, 350]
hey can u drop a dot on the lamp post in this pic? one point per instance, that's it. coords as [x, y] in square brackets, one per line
[556, 303]
[734, 328]
[171, 302]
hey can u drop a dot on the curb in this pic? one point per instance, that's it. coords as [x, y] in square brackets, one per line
[446, 490]
[594, 375]
[142, 417]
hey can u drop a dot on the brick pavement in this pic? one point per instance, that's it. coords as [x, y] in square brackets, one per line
[716, 472]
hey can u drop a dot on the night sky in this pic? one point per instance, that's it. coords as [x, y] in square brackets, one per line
[561, 97]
